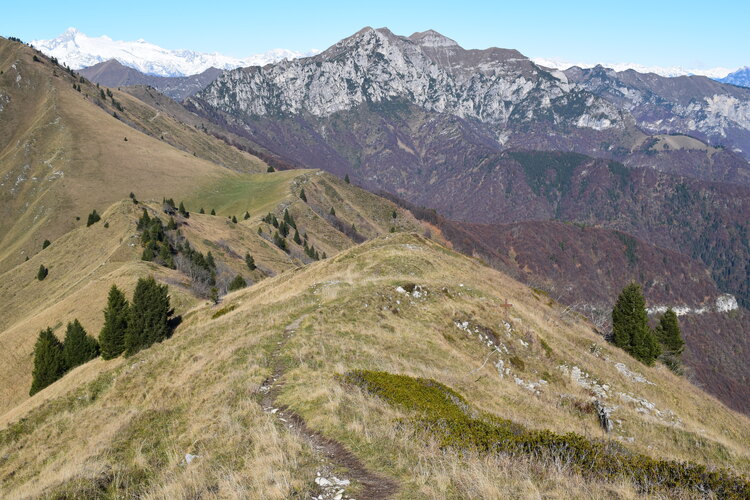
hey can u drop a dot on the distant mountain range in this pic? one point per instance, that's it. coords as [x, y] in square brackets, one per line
[740, 77]
[114, 74]
[78, 50]
[670, 71]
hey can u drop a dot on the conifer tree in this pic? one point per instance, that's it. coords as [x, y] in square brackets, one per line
[297, 239]
[144, 221]
[234, 219]
[93, 218]
[250, 262]
[247, 215]
[201, 211]
[78, 347]
[630, 326]
[148, 321]
[112, 336]
[302, 195]
[213, 212]
[270, 169]
[346, 178]
[289, 220]
[333, 211]
[182, 210]
[237, 283]
[42, 273]
[669, 336]
[46, 244]
[171, 225]
[668, 333]
[48, 361]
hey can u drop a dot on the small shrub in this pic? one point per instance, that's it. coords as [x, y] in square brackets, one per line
[445, 416]
[517, 363]
[93, 218]
[42, 273]
[224, 310]
[238, 283]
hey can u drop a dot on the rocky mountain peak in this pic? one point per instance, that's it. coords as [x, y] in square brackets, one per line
[432, 38]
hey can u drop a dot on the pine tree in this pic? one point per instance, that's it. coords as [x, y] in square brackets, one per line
[237, 283]
[297, 239]
[48, 361]
[213, 212]
[144, 221]
[78, 348]
[42, 273]
[346, 178]
[182, 210]
[46, 244]
[668, 333]
[171, 225]
[247, 215]
[270, 169]
[250, 262]
[630, 326]
[148, 321]
[201, 211]
[234, 219]
[302, 195]
[112, 336]
[289, 220]
[93, 218]
[394, 214]
[333, 211]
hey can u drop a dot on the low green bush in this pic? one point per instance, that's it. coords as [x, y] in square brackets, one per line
[446, 415]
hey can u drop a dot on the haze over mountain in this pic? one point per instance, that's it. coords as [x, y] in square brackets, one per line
[669, 71]
[113, 74]
[78, 50]
[740, 77]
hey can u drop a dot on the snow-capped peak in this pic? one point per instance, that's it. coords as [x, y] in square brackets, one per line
[78, 50]
[668, 71]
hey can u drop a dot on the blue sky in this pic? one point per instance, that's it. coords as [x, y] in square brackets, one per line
[667, 33]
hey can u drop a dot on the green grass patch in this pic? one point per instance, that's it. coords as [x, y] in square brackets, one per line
[446, 415]
[234, 195]
[224, 310]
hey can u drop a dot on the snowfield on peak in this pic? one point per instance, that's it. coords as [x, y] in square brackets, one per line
[668, 71]
[79, 50]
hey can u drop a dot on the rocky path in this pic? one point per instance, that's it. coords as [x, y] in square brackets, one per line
[335, 454]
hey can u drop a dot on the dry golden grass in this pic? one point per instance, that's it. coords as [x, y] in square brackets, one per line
[62, 154]
[196, 392]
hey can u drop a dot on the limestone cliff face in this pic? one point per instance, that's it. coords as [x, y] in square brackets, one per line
[495, 86]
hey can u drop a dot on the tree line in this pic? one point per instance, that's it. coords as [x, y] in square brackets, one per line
[128, 328]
